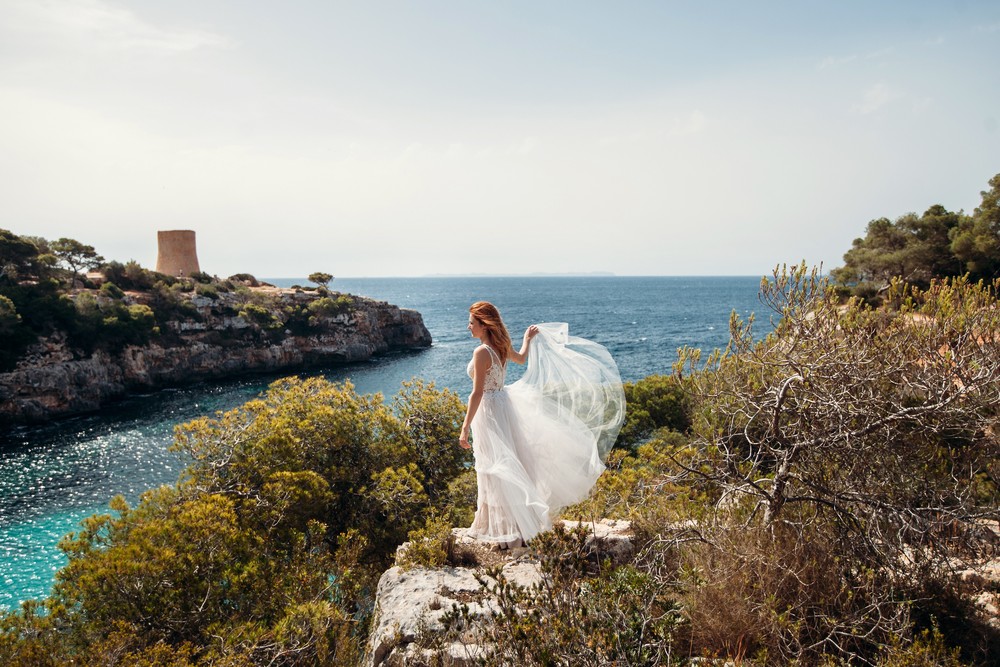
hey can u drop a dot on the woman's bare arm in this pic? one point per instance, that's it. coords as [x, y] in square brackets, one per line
[480, 365]
[522, 356]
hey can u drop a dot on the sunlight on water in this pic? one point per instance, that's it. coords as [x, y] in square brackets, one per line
[51, 477]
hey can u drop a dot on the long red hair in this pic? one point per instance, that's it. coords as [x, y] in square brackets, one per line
[496, 333]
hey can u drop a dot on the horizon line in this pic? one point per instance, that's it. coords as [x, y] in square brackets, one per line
[533, 275]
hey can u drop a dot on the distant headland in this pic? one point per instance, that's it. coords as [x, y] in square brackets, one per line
[77, 331]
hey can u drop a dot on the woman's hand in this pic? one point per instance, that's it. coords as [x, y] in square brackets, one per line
[463, 439]
[522, 356]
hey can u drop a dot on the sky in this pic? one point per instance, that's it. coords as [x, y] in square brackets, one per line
[409, 138]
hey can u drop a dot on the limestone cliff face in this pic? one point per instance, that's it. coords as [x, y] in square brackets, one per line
[212, 341]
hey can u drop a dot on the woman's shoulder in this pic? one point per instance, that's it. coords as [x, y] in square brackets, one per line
[485, 352]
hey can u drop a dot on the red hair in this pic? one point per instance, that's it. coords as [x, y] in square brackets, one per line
[487, 315]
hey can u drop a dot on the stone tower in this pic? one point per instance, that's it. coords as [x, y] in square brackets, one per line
[177, 255]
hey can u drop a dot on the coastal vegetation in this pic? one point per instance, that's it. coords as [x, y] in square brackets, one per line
[822, 496]
[826, 494]
[267, 549]
[45, 291]
[917, 249]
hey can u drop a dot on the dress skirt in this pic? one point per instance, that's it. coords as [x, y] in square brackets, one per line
[539, 443]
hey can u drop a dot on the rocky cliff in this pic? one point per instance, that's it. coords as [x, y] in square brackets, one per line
[218, 335]
[411, 604]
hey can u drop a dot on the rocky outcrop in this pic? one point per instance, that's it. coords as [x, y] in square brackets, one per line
[214, 337]
[410, 604]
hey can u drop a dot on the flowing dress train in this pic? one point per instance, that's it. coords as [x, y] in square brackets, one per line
[540, 442]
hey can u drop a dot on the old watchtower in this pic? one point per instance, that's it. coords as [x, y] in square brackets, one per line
[177, 255]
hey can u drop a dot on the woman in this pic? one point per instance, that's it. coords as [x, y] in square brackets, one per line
[539, 443]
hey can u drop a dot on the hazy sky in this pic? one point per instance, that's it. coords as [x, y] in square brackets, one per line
[400, 138]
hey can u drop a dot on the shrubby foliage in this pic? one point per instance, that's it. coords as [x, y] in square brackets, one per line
[655, 402]
[582, 612]
[321, 279]
[918, 249]
[268, 548]
[45, 298]
[835, 475]
[75, 255]
[802, 498]
[42, 298]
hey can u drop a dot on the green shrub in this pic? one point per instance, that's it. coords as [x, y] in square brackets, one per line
[14, 336]
[260, 315]
[9, 319]
[927, 650]
[202, 277]
[428, 546]
[461, 498]
[207, 290]
[245, 278]
[655, 402]
[582, 612]
[268, 549]
[111, 290]
[329, 307]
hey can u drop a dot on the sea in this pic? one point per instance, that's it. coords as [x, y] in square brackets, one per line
[53, 476]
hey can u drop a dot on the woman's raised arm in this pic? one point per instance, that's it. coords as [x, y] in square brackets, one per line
[522, 356]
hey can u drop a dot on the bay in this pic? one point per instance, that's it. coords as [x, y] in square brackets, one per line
[53, 476]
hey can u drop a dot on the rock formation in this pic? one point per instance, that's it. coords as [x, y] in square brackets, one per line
[410, 604]
[214, 341]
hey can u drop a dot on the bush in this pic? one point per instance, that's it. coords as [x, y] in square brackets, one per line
[582, 612]
[111, 325]
[9, 319]
[927, 650]
[260, 315]
[132, 276]
[202, 277]
[782, 594]
[428, 546]
[207, 290]
[14, 336]
[655, 402]
[112, 291]
[461, 498]
[268, 549]
[376, 459]
[642, 487]
[245, 278]
[329, 307]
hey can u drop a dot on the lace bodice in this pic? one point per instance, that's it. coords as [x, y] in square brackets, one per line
[494, 375]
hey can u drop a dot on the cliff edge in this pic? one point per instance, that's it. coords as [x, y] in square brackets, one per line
[212, 335]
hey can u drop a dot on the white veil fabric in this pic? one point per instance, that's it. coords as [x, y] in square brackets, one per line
[575, 380]
[540, 443]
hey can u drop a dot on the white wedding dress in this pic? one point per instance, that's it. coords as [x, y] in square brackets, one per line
[539, 443]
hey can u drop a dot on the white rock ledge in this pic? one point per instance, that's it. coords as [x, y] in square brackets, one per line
[411, 603]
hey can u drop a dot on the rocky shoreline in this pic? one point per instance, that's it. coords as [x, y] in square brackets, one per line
[216, 340]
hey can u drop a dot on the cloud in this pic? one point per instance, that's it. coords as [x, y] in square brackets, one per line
[102, 26]
[875, 98]
[992, 27]
[831, 61]
[835, 61]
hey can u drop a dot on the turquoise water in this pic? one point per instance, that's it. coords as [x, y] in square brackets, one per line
[53, 476]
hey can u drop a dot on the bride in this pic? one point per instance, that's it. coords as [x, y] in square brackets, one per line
[540, 442]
